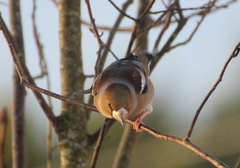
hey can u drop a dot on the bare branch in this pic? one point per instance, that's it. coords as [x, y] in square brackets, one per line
[147, 9]
[80, 93]
[191, 35]
[182, 9]
[101, 137]
[55, 2]
[19, 156]
[184, 142]
[233, 55]
[24, 73]
[42, 61]
[3, 131]
[113, 33]
[93, 137]
[121, 11]
[44, 72]
[60, 97]
[95, 31]
[166, 46]
[166, 23]
[137, 21]
[126, 29]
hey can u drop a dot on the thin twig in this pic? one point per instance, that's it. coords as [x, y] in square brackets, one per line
[106, 28]
[113, 33]
[113, 54]
[166, 46]
[89, 76]
[55, 2]
[121, 11]
[99, 142]
[137, 21]
[42, 61]
[93, 137]
[80, 93]
[233, 55]
[146, 11]
[59, 97]
[166, 24]
[44, 72]
[182, 20]
[191, 35]
[182, 9]
[97, 35]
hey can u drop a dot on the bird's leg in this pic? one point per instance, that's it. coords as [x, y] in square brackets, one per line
[138, 121]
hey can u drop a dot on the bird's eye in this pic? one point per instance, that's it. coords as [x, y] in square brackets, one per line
[110, 106]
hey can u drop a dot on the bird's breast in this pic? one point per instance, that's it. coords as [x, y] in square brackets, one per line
[115, 95]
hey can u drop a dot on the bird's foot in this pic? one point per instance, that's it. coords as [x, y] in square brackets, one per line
[136, 125]
[138, 121]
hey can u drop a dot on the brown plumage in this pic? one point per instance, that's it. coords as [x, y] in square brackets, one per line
[123, 90]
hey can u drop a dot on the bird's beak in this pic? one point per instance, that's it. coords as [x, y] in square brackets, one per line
[120, 115]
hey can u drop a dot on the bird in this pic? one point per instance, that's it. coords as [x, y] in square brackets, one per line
[124, 89]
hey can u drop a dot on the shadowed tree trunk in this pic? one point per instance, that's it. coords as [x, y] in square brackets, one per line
[72, 122]
[18, 121]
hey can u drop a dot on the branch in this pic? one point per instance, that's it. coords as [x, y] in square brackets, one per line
[93, 137]
[122, 11]
[95, 31]
[24, 74]
[106, 28]
[184, 142]
[42, 61]
[166, 46]
[113, 33]
[59, 97]
[182, 9]
[18, 113]
[44, 72]
[101, 137]
[191, 35]
[233, 55]
[137, 21]
[3, 131]
[166, 24]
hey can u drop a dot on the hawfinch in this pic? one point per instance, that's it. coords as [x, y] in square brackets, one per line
[124, 90]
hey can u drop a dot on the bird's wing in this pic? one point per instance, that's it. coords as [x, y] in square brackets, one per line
[123, 71]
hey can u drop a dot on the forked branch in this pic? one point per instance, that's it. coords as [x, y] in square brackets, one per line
[234, 54]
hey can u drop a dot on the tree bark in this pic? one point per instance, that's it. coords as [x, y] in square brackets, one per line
[18, 121]
[72, 122]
